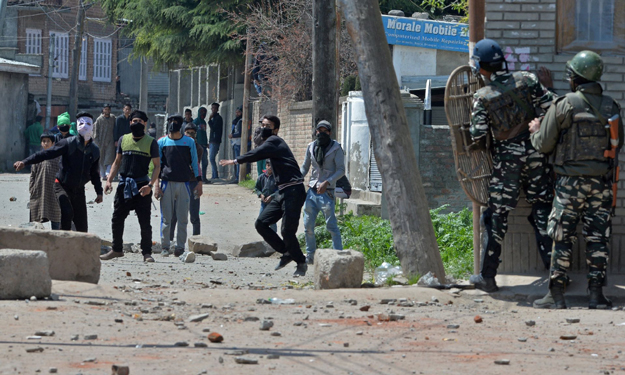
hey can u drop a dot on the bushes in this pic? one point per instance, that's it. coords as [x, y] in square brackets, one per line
[374, 238]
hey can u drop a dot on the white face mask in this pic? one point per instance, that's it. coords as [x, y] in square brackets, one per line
[85, 127]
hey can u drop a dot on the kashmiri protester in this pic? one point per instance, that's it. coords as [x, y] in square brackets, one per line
[103, 133]
[43, 204]
[80, 159]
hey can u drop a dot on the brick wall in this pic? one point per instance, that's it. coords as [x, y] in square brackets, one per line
[526, 30]
[89, 92]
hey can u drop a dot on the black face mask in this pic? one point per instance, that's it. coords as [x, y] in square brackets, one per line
[174, 126]
[323, 139]
[266, 133]
[138, 130]
[64, 128]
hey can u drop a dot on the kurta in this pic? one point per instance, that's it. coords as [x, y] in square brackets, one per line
[43, 203]
[103, 136]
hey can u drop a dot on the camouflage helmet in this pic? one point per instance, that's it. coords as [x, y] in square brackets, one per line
[585, 64]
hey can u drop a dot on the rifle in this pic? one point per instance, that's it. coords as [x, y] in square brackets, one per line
[612, 153]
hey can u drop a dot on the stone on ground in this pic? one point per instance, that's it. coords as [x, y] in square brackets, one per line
[72, 256]
[202, 245]
[338, 269]
[25, 274]
[253, 250]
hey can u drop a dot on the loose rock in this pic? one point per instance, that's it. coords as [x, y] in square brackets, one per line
[44, 333]
[198, 318]
[530, 323]
[266, 325]
[34, 350]
[120, 370]
[568, 337]
[502, 361]
[200, 345]
[91, 337]
[478, 319]
[246, 360]
[215, 337]
[181, 343]
[572, 320]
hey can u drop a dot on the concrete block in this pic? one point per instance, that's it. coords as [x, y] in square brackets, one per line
[253, 250]
[360, 207]
[72, 256]
[338, 269]
[25, 273]
[202, 245]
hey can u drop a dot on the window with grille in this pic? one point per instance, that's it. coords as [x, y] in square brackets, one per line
[597, 25]
[102, 54]
[82, 73]
[60, 55]
[33, 41]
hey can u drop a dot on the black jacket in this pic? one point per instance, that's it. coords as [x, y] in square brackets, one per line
[216, 125]
[285, 167]
[122, 126]
[79, 163]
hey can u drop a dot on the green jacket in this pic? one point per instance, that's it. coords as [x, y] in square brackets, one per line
[33, 134]
[559, 118]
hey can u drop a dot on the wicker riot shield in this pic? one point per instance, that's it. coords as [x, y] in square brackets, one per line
[474, 164]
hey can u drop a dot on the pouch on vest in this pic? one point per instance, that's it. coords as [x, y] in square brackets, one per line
[509, 107]
[588, 137]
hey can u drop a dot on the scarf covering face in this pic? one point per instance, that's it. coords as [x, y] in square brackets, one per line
[85, 127]
[321, 143]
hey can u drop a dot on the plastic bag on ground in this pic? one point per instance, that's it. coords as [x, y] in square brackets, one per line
[428, 280]
[384, 271]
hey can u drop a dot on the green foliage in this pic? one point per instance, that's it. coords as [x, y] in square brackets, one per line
[248, 183]
[408, 6]
[180, 31]
[438, 8]
[374, 238]
[350, 83]
[454, 234]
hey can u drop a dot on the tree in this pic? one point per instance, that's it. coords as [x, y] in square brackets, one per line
[172, 32]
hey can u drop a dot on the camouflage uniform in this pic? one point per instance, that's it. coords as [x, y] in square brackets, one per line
[517, 165]
[583, 185]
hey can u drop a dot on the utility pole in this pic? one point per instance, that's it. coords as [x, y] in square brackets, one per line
[76, 55]
[49, 91]
[3, 12]
[477, 13]
[143, 89]
[245, 120]
[325, 103]
[413, 233]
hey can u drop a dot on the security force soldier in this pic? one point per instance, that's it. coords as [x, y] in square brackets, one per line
[504, 108]
[574, 132]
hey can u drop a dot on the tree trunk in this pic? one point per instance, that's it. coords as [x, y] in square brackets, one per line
[325, 100]
[409, 214]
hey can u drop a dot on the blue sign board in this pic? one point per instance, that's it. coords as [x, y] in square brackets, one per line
[426, 34]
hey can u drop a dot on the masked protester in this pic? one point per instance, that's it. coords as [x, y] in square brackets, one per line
[575, 133]
[287, 205]
[80, 159]
[327, 160]
[135, 151]
[179, 166]
[504, 109]
[63, 125]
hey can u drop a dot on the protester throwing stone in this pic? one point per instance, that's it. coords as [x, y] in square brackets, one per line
[80, 159]
[134, 191]
[327, 160]
[289, 201]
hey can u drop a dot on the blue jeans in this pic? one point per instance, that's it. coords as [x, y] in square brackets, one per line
[204, 161]
[315, 203]
[273, 226]
[236, 150]
[214, 149]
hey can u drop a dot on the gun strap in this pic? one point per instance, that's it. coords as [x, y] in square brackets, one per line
[595, 110]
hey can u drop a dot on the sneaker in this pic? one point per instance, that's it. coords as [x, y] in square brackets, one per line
[301, 269]
[165, 253]
[486, 284]
[112, 254]
[310, 259]
[286, 259]
[148, 258]
[178, 252]
[187, 257]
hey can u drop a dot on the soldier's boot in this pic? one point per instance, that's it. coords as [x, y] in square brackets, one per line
[597, 298]
[557, 293]
[547, 302]
[486, 284]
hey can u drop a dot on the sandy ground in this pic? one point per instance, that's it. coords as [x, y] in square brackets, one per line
[139, 313]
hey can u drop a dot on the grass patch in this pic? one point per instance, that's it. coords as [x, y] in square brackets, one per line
[248, 183]
[374, 238]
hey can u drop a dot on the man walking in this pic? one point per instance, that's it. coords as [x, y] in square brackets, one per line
[289, 201]
[122, 124]
[328, 165]
[575, 132]
[235, 138]
[503, 109]
[216, 124]
[202, 138]
[179, 164]
[80, 159]
[103, 133]
[134, 191]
